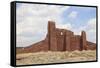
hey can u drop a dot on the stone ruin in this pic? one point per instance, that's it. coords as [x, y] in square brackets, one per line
[60, 40]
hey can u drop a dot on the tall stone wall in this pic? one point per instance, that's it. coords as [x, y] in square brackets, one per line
[72, 43]
[83, 40]
[60, 40]
[77, 42]
[60, 35]
[52, 36]
[68, 36]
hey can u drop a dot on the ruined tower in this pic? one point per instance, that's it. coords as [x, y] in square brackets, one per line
[83, 40]
[52, 36]
[60, 40]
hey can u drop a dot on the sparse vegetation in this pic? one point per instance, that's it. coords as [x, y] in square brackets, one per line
[55, 57]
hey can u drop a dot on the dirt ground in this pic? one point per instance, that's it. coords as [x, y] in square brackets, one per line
[55, 57]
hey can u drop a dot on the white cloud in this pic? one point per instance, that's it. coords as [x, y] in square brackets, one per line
[89, 28]
[73, 14]
[64, 26]
[33, 19]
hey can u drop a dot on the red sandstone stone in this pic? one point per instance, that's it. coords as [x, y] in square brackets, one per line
[52, 36]
[83, 40]
[60, 40]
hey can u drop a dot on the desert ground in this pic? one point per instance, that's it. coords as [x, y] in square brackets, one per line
[55, 57]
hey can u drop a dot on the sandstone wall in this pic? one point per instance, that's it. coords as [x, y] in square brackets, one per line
[83, 40]
[60, 40]
[52, 36]
[68, 36]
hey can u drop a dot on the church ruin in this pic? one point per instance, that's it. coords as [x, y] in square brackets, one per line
[60, 40]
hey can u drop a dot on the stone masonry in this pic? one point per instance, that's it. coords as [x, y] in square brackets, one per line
[60, 40]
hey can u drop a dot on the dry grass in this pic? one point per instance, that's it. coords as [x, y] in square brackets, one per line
[55, 57]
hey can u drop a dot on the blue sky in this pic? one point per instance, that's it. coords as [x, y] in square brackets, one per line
[83, 15]
[32, 20]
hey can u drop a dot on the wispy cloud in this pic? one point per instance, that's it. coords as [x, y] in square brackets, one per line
[89, 28]
[32, 20]
[73, 14]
